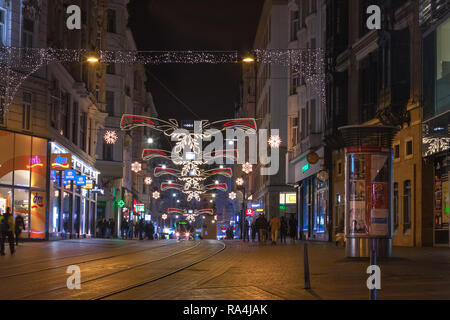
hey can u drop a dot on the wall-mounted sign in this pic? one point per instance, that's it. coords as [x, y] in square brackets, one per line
[139, 207]
[69, 175]
[89, 185]
[259, 210]
[120, 203]
[282, 207]
[61, 161]
[312, 158]
[249, 212]
[80, 180]
[255, 205]
[99, 190]
[305, 168]
[288, 198]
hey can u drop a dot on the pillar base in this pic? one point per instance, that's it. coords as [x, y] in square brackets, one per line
[361, 247]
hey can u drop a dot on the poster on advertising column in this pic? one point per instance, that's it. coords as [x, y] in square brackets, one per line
[379, 196]
[38, 215]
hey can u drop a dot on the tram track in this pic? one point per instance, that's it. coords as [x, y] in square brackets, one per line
[157, 278]
[76, 263]
[103, 276]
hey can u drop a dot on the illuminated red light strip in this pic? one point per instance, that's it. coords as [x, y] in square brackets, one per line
[228, 170]
[250, 123]
[125, 120]
[35, 165]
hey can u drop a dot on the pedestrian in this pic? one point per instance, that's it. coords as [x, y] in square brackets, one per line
[19, 226]
[253, 227]
[152, 231]
[260, 227]
[292, 229]
[111, 227]
[7, 229]
[246, 228]
[104, 226]
[124, 228]
[141, 229]
[130, 229]
[283, 229]
[275, 225]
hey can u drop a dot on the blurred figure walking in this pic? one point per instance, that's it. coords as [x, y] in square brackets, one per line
[275, 225]
[7, 229]
[19, 226]
[283, 229]
[245, 230]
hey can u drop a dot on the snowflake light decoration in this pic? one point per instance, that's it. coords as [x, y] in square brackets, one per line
[164, 216]
[136, 167]
[110, 137]
[232, 195]
[240, 182]
[148, 181]
[275, 141]
[156, 195]
[247, 167]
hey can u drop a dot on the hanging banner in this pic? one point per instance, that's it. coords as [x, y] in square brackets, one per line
[80, 180]
[69, 175]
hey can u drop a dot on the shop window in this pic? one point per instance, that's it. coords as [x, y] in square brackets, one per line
[22, 160]
[39, 163]
[55, 212]
[21, 206]
[6, 158]
[5, 199]
[409, 149]
[67, 206]
[407, 205]
[396, 205]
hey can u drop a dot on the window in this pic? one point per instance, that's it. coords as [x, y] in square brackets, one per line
[295, 81]
[2, 27]
[26, 111]
[409, 149]
[65, 114]
[75, 123]
[27, 33]
[111, 68]
[110, 102]
[396, 205]
[294, 131]
[108, 152]
[83, 129]
[407, 205]
[295, 24]
[368, 87]
[111, 21]
[397, 151]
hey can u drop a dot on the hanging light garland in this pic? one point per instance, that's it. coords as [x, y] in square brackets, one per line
[110, 137]
[240, 182]
[17, 64]
[148, 181]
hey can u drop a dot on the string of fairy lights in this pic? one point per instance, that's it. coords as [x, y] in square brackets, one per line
[17, 64]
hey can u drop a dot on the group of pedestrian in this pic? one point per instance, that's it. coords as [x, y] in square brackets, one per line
[106, 228]
[10, 228]
[274, 227]
[230, 233]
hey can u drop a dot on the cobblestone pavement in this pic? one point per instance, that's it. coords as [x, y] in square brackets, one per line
[242, 271]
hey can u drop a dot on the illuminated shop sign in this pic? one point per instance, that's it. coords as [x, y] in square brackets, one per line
[288, 198]
[61, 161]
[69, 175]
[99, 190]
[249, 212]
[305, 168]
[35, 162]
[80, 180]
[89, 185]
[256, 205]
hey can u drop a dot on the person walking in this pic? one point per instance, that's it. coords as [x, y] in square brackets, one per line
[292, 229]
[124, 229]
[112, 225]
[246, 228]
[253, 227]
[7, 229]
[275, 225]
[283, 229]
[130, 229]
[19, 226]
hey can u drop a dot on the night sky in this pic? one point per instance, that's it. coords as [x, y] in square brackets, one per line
[209, 90]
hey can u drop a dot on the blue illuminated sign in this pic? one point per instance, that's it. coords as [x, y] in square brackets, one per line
[80, 180]
[69, 175]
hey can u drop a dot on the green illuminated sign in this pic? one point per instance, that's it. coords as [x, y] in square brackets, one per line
[183, 222]
[305, 168]
[282, 207]
[120, 203]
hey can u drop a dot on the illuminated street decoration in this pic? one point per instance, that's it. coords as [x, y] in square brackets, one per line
[148, 181]
[164, 216]
[136, 167]
[17, 64]
[156, 195]
[247, 167]
[110, 137]
[435, 145]
[240, 182]
[232, 195]
[275, 141]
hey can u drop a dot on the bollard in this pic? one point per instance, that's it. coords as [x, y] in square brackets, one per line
[373, 262]
[306, 267]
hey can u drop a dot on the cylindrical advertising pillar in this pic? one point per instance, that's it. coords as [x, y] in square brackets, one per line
[368, 190]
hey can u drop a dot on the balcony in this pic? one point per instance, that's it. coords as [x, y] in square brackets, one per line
[312, 142]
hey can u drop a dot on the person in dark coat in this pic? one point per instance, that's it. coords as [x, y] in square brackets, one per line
[283, 229]
[246, 228]
[112, 225]
[19, 226]
[292, 229]
[141, 229]
[7, 231]
[253, 227]
[124, 228]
